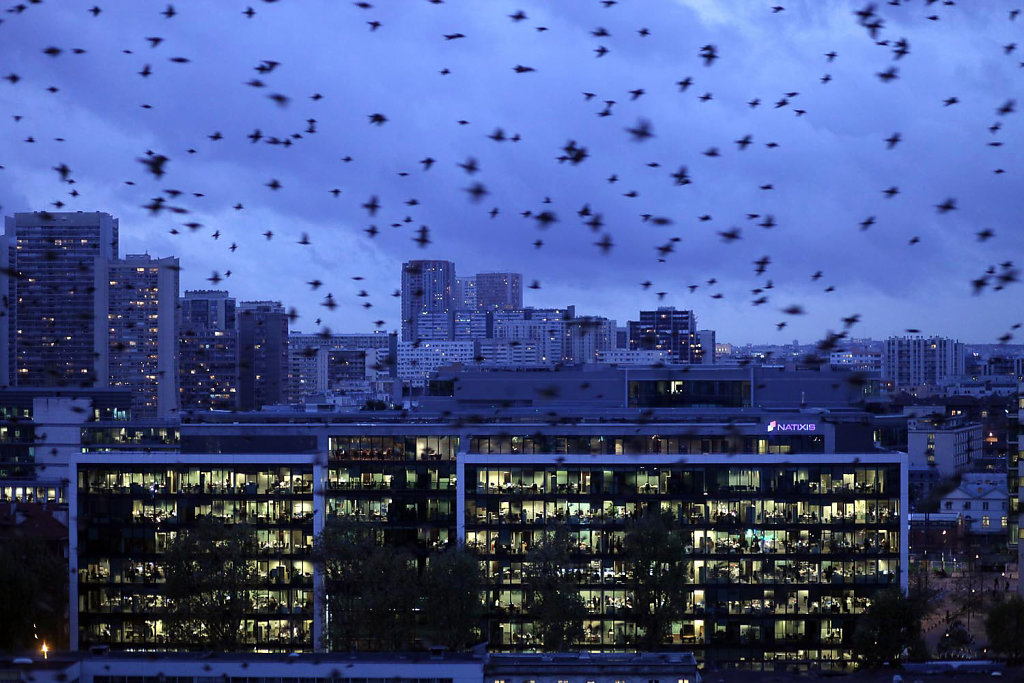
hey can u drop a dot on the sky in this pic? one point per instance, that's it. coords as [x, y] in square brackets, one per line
[685, 208]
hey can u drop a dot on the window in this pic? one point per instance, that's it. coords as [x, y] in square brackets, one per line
[984, 506]
[967, 505]
[1004, 521]
[949, 505]
[985, 522]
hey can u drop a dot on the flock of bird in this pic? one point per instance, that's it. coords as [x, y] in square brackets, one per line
[530, 195]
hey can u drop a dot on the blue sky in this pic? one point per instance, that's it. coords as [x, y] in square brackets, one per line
[825, 174]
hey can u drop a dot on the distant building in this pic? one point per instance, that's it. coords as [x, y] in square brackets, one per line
[587, 337]
[262, 355]
[416, 362]
[499, 291]
[708, 346]
[55, 330]
[949, 444]
[855, 360]
[667, 329]
[465, 293]
[143, 327]
[472, 325]
[428, 287]
[632, 357]
[914, 361]
[208, 343]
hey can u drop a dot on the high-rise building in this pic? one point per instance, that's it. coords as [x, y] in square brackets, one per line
[262, 354]
[465, 293]
[706, 341]
[499, 291]
[587, 337]
[916, 361]
[427, 287]
[667, 329]
[143, 327]
[54, 330]
[208, 344]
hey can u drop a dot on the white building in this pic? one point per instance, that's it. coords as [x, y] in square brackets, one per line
[417, 361]
[916, 361]
[981, 500]
[946, 443]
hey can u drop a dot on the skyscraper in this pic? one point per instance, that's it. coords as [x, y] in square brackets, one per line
[143, 328]
[667, 329]
[55, 324]
[262, 354]
[499, 291]
[913, 361]
[428, 287]
[208, 343]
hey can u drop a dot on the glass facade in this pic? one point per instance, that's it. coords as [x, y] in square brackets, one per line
[404, 484]
[127, 514]
[780, 558]
[783, 544]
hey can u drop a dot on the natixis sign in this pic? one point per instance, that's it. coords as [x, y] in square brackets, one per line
[775, 426]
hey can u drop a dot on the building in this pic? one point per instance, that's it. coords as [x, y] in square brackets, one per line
[473, 325]
[792, 520]
[465, 293]
[640, 357]
[667, 329]
[909, 362]
[208, 357]
[947, 444]
[417, 362]
[499, 291]
[708, 346]
[143, 328]
[788, 538]
[54, 330]
[318, 363]
[587, 338]
[262, 354]
[982, 503]
[427, 287]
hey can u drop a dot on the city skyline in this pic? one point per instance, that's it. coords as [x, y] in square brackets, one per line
[939, 76]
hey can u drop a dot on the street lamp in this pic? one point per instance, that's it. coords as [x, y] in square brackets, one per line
[45, 650]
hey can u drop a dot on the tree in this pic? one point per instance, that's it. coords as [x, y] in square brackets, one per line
[452, 585]
[370, 590]
[657, 578]
[889, 627]
[33, 592]
[968, 593]
[1004, 627]
[210, 576]
[555, 602]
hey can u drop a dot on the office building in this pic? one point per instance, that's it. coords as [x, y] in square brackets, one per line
[143, 327]
[667, 329]
[789, 528]
[428, 287]
[208, 342]
[262, 354]
[499, 291]
[910, 362]
[54, 330]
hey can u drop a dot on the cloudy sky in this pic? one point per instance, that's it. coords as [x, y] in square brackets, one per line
[98, 92]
